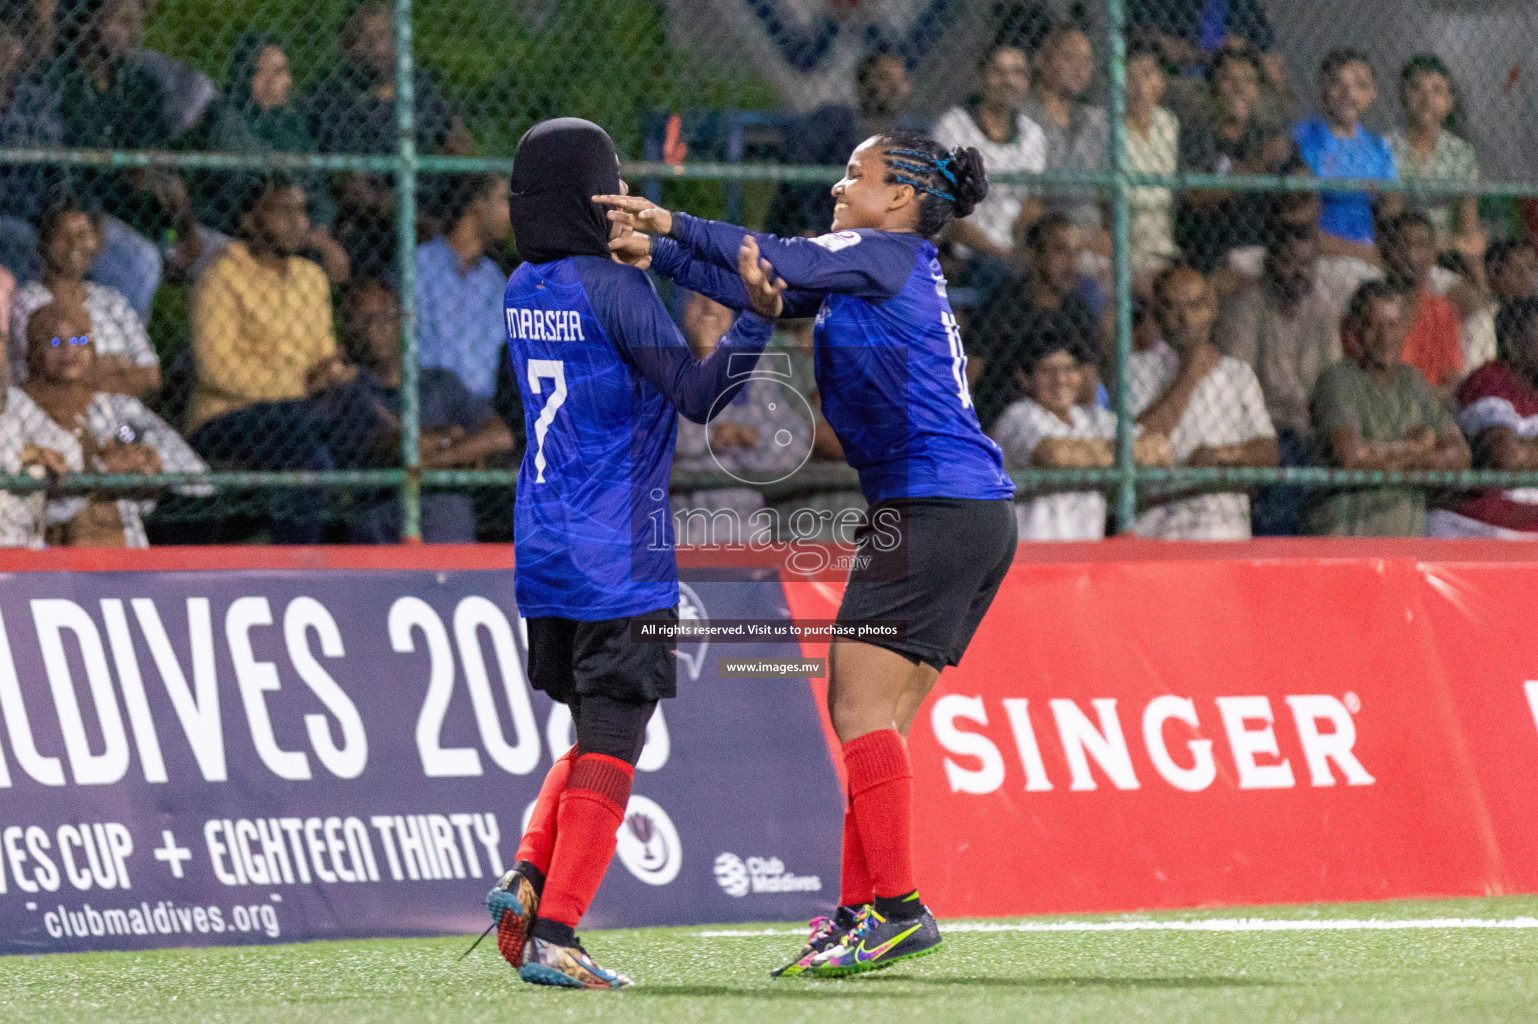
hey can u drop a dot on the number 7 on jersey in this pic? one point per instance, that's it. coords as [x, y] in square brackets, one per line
[553, 370]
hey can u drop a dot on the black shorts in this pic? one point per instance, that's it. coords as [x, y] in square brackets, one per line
[568, 658]
[938, 579]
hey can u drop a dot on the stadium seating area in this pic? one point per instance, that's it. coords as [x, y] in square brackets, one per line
[168, 319]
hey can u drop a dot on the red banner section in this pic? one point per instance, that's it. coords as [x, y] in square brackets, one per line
[1140, 725]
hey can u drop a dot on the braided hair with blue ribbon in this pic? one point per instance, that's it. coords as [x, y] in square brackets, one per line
[951, 181]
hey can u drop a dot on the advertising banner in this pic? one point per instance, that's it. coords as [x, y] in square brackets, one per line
[203, 748]
[1217, 725]
[253, 755]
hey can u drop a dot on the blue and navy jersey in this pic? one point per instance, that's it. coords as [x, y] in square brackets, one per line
[603, 373]
[891, 371]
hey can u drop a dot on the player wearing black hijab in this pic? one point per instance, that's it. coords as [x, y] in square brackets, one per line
[603, 373]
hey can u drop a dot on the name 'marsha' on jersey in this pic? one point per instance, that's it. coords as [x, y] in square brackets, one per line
[544, 324]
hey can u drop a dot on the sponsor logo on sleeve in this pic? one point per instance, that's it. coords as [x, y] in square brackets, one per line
[837, 240]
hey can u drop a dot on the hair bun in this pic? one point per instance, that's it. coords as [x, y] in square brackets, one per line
[971, 185]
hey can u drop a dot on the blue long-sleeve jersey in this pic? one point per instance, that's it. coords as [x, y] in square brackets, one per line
[890, 366]
[604, 373]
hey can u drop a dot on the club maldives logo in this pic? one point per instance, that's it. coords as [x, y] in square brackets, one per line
[648, 843]
[738, 877]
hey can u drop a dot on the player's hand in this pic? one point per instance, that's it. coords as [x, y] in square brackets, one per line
[332, 371]
[1153, 449]
[632, 248]
[639, 213]
[765, 288]
[50, 462]
[1422, 440]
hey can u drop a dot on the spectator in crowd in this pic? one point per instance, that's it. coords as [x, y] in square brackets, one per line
[1511, 272]
[1335, 144]
[68, 241]
[1021, 23]
[115, 432]
[1153, 135]
[1498, 414]
[994, 123]
[258, 115]
[1284, 328]
[459, 288]
[1227, 137]
[458, 429]
[29, 119]
[1053, 428]
[1508, 266]
[1426, 150]
[1076, 132]
[1187, 33]
[107, 98]
[262, 343]
[1434, 345]
[109, 101]
[1283, 209]
[1371, 411]
[883, 92]
[31, 444]
[188, 92]
[353, 111]
[1209, 405]
[1043, 305]
[761, 435]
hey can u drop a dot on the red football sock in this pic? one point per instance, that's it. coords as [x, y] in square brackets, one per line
[881, 797]
[854, 887]
[591, 810]
[539, 838]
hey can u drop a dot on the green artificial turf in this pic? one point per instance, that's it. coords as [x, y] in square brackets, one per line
[1443, 975]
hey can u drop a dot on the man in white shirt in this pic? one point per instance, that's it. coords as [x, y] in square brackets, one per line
[1009, 141]
[1208, 404]
[30, 443]
[1050, 430]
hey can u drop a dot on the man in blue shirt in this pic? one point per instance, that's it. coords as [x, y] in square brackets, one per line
[1337, 145]
[459, 288]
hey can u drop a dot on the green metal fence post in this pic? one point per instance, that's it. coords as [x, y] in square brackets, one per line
[406, 255]
[1121, 269]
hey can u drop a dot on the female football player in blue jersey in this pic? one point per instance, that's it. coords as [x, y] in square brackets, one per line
[891, 373]
[603, 373]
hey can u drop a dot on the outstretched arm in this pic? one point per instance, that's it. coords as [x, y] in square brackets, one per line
[674, 262]
[634, 316]
[871, 265]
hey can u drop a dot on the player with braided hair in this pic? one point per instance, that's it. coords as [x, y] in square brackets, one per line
[891, 372]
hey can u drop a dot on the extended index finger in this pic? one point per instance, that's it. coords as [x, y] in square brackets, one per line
[635, 204]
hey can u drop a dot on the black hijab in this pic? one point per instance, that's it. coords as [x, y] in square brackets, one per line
[560, 165]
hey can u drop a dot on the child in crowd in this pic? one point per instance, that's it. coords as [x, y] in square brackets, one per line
[1335, 144]
[1425, 149]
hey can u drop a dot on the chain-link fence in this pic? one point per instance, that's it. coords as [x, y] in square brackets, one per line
[1244, 266]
